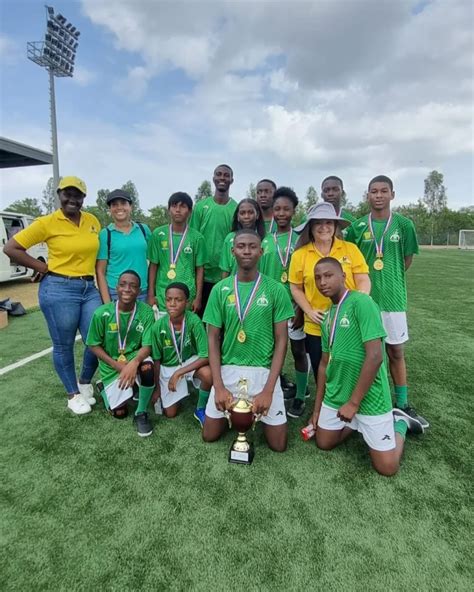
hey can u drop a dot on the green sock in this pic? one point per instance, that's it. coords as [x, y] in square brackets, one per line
[401, 396]
[144, 396]
[401, 428]
[203, 396]
[301, 384]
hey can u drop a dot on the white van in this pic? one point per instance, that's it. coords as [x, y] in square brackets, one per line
[10, 224]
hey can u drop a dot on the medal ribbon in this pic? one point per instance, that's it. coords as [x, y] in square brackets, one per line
[174, 256]
[284, 258]
[241, 314]
[272, 224]
[178, 350]
[123, 343]
[332, 333]
[379, 247]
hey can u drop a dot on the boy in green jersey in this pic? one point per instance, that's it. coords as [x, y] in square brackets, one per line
[247, 318]
[247, 215]
[176, 253]
[332, 191]
[179, 349]
[275, 262]
[352, 387]
[120, 336]
[388, 242]
[212, 217]
[265, 191]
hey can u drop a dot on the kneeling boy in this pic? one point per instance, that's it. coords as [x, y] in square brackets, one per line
[352, 387]
[179, 346]
[120, 336]
[247, 318]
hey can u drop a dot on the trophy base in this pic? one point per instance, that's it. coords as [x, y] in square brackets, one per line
[242, 457]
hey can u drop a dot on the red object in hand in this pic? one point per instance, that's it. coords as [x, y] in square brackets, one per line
[308, 432]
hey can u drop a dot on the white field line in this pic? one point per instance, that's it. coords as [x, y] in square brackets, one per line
[29, 359]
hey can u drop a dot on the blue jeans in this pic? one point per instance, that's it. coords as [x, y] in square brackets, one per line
[114, 296]
[68, 305]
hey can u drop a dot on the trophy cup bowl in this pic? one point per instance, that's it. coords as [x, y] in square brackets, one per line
[241, 417]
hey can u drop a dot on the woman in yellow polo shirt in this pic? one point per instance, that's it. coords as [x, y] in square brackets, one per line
[317, 240]
[67, 293]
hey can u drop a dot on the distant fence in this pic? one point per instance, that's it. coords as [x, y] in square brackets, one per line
[443, 238]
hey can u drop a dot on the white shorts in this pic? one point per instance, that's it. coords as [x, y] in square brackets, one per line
[295, 334]
[256, 377]
[377, 430]
[395, 325]
[168, 397]
[117, 396]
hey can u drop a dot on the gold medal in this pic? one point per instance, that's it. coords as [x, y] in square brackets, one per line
[241, 336]
[284, 277]
[378, 264]
[171, 274]
[121, 358]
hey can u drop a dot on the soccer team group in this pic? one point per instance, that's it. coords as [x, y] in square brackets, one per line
[215, 296]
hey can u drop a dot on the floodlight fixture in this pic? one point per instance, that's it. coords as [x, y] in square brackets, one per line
[57, 54]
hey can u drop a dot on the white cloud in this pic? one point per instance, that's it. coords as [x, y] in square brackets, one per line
[83, 76]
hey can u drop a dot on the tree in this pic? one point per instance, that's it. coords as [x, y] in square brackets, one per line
[49, 197]
[204, 190]
[158, 217]
[252, 191]
[138, 213]
[311, 198]
[362, 207]
[435, 198]
[28, 206]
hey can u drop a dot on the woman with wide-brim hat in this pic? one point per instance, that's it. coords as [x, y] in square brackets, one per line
[67, 293]
[317, 240]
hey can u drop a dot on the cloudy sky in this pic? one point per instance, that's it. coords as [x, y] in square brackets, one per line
[294, 91]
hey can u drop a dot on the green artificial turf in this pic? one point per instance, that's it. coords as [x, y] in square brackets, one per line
[87, 505]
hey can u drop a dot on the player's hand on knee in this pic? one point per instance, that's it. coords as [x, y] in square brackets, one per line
[262, 402]
[173, 381]
[223, 399]
[128, 375]
[347, 411]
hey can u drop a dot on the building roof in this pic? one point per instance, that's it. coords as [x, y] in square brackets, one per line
[14, 154]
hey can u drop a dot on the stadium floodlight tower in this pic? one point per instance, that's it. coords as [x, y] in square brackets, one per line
[57, 54]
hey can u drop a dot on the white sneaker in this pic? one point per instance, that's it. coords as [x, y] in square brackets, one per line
[87, 393]
[78, 405]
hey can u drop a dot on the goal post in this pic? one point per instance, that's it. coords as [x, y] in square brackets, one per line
[466, 239]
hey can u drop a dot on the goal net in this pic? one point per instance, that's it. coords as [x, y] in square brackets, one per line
[466, 239]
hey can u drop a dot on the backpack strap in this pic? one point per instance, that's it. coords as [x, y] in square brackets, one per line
[142, 228]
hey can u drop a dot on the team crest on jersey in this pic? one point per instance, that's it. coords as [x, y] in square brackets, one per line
[262, 301]
[168, 343]
[94, 230]
[113, 327]
[188, 250]
[344, 260]
[231, 298]
[345, 322]
[164, 244]
[367, 235]
[395, 237]
[140, 328]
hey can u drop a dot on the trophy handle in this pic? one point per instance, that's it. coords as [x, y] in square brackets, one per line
[229, 420]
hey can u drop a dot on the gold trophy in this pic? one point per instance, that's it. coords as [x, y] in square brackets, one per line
[242, 418]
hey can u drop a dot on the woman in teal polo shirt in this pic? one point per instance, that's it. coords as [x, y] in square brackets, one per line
[123, 245]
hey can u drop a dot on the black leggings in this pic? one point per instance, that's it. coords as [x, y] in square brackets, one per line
[206, 290]
[313, 347]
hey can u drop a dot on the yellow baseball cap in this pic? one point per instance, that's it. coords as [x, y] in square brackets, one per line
[73, 182]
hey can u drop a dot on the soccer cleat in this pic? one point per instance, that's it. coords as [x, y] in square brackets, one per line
[414, 415]
[413, 423]
[143, 425]
[297, 408]
[200, 415]
[78, 405]
[87, 393]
